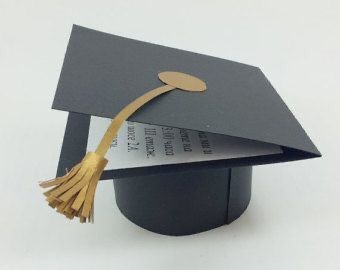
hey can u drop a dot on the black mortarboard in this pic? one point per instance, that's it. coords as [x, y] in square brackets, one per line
[102, 73]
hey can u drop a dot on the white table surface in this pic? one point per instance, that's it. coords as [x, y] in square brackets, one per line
[293, 221]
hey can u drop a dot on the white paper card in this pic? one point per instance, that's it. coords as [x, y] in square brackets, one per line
[142, 145]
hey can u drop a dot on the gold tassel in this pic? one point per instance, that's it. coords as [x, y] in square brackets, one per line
[73, 194]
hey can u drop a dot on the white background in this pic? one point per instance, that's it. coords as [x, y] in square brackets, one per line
[293, 221]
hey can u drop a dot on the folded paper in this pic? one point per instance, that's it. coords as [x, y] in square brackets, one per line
[140, 145]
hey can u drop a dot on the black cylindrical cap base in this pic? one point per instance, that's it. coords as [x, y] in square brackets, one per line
[186, 201]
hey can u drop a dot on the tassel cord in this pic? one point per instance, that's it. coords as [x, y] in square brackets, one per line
[124, 114]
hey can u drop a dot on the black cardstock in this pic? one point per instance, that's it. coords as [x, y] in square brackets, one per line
[102, 73]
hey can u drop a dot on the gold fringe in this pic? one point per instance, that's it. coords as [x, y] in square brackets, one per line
[73, 194]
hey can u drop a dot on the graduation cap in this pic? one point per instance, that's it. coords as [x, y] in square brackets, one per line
[186, 130]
